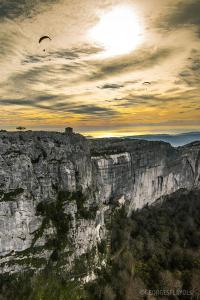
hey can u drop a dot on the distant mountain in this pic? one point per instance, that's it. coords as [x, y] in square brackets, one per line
[175, 140]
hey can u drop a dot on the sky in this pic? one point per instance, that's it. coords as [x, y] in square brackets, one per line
[111, 68]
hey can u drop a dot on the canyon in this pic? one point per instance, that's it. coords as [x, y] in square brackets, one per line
[58, 192]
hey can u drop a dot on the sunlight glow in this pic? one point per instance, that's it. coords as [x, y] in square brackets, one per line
[118, 31]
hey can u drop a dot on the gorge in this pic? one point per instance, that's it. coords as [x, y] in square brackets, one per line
[59, 191]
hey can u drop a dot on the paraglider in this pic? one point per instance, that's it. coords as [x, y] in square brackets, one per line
[147, 84]
[44, 38]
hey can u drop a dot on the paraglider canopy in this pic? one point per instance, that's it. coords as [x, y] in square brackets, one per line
[147, 84]
[44, 38]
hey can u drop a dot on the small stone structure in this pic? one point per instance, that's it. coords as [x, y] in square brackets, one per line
[68, 130]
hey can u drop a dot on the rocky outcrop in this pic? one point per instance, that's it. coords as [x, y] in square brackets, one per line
[57, 191]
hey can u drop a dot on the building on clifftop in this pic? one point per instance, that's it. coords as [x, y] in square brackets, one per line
[68, 130]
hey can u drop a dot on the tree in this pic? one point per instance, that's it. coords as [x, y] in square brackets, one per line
[20, 128]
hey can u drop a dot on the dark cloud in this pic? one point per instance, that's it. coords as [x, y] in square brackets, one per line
[185, 73]
[185, 12]
[32, 102]
[157, 100]
[191, 74]
[35, 103]
[12, 9]
[57, 103]
[68, 54]
[132, 100]
[24, 80]
[111, 86]
[6, 47]
[32, 59]
[87, 49]
[52, 63]
[135, 61]
[49, 69]
[9, 39]
[93, 110]
[49, 57]
[76, 52]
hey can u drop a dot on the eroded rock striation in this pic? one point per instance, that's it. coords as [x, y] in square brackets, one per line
[58, 191]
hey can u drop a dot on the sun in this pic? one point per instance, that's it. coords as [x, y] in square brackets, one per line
[118, 31]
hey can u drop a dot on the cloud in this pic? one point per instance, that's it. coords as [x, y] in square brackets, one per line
[75, 52]
[28, 79]
[93, 110]
[191, 73]
[158, 100]
[22, 8]
[6, 45]
[132, 100]
[34, 102]
[59, 56]
[186, 12]
[138, 60]
[111, 86]
[183, 13]
[57, 103]
[71, 78]
[53, 72]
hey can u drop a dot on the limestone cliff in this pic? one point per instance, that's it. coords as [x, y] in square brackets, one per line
[47, 200]
[57, 191]
[141, 171]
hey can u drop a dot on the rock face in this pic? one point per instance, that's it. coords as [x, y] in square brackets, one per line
[47, 168]
[143, 171]
[57, 191]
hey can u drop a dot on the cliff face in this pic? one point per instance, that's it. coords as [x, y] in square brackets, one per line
[46, 191]
[139, 172]
[56, 191]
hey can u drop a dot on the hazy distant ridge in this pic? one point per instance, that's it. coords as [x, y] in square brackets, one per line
[175, 140]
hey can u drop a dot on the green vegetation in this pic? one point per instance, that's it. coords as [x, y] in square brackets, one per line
[52, 283]
[11, 195]
[157, 248]
[84, 264]
[53, 287]
[54, 212]
[102, 247]
[43, 286]
[49, 284]
[79, 198]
